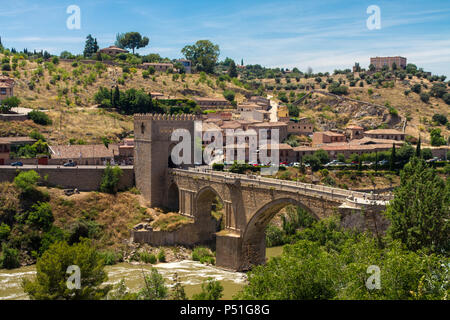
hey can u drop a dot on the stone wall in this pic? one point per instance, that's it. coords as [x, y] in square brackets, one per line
[188, 235]
[13, 117]
[84, 179]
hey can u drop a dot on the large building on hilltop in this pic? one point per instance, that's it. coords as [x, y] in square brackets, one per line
[380, 62]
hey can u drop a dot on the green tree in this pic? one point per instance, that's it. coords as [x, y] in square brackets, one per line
[418, 151]
[313, 161]
[91, 47]
[446, 98]
[41, 216]
[309, 272]
[110, 179]
[9, 257]
[404, 274]
[177, 292]
[427, 154]
[232, 70]
[425, 97]
[322, 155]
[51, 273]
[203, 54]
[26, 181]
[39, 117]
[7, 104]
[440, 119]
[438, 90]
[133, 40]
[115, 97]
[419, 212]
[155, 288]
[392, 159]
[121, 292]
[211, 290]
[4, 231]
[436, 138]
[229, 95]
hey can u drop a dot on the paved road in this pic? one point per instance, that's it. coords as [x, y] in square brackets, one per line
[343, 194]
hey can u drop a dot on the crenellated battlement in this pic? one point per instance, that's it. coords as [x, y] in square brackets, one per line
[165, 117]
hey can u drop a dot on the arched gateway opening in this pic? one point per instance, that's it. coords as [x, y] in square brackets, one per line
[254, 239]
[209, 215]
[173, 198]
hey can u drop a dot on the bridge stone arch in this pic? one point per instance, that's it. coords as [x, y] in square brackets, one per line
[253, 239]
[204, 200]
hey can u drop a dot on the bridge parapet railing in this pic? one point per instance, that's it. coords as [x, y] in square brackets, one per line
[295, 185]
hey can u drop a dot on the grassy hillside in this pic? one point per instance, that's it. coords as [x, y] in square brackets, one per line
[328, 112]
[67, 91]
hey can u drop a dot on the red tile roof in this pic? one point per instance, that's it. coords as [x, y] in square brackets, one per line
[83, 151]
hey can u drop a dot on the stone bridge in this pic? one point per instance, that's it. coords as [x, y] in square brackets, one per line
[249, 201]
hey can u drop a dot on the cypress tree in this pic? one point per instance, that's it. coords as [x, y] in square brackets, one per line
[418, 151]
[392, 158]
[116, 97]
[232, 71]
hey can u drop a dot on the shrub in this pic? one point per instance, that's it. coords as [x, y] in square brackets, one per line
[155, 288]
[147, 257]
[211, 290]
[274, 236]
[218, 166]
[40, 216]
[203, 255]
[26, 180]
[162, 256]
[110, 179]
[440, 118]
[9, 258]
[4, 231]
[425, 97]
[11, 102]
[446, 98]
[416, 88]
[40, 117]
[229, 95]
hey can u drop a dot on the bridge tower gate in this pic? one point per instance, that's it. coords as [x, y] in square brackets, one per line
[152, 153]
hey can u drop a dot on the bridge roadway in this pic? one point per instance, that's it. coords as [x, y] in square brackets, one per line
[334, 194]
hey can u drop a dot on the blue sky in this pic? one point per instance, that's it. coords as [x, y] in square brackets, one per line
[323, 35]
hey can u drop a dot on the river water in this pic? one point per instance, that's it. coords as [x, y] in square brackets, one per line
[190, 273]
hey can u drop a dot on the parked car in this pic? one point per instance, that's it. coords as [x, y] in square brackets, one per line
[383, 162]
[17, 164]
[433, 160]
[295, 164]
[332, 163]
[70, 164]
